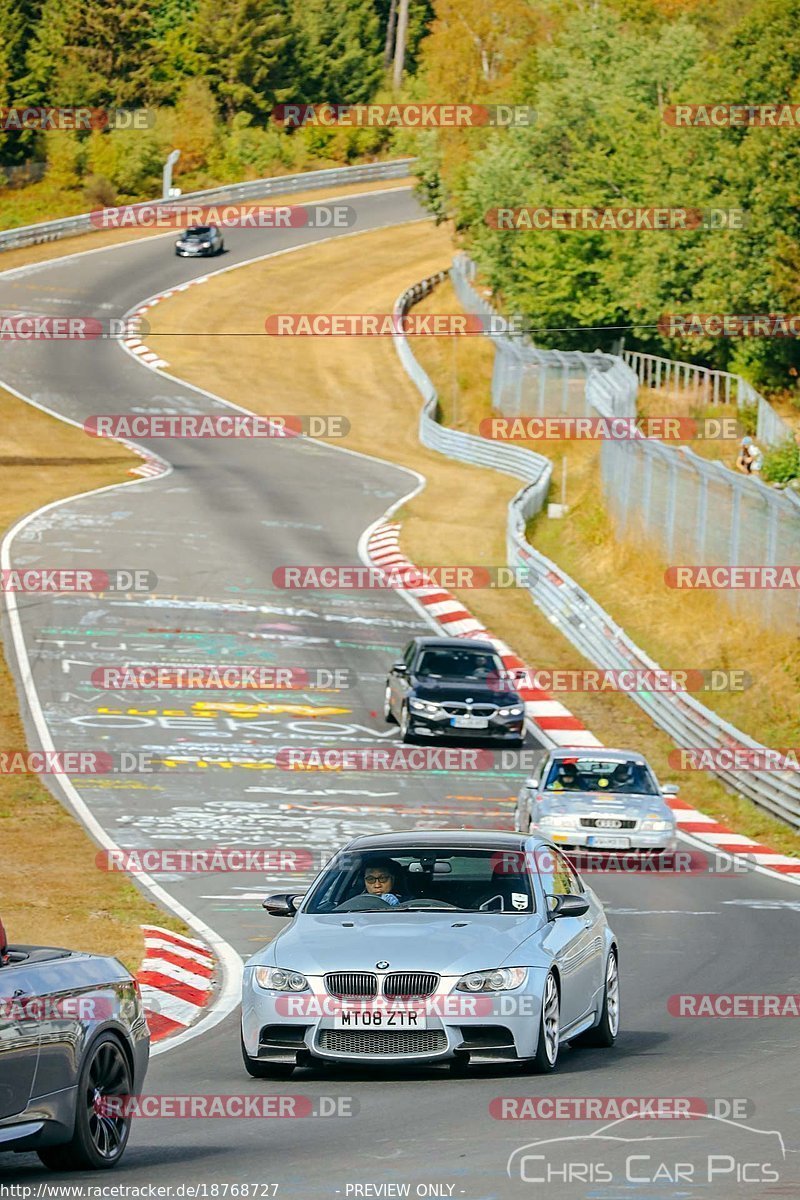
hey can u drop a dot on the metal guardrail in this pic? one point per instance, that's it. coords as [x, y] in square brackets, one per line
[572, 610]
[50, 231]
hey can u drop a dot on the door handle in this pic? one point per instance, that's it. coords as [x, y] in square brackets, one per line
[587, 924]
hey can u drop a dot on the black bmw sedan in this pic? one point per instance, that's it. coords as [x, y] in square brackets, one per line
[449, 687]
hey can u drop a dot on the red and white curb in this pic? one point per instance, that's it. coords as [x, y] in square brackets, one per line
[175, 979]
[133, 344]
[552, 717]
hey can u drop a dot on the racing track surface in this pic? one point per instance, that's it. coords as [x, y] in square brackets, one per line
[213, 531]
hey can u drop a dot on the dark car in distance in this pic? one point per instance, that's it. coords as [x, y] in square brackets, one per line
[200, 241]
[453, 688]
[73, 1043]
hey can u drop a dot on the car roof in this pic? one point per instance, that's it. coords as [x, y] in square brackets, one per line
[451, 643]
[599, 752]
[413, 839]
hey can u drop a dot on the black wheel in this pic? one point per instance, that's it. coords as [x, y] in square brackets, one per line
[388, 715]
[221, 248]
[101, 1134]
[263, 1069]
[604, 1033]
[546, 1055]
[406, 735]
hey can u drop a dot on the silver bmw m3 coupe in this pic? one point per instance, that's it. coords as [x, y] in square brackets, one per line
[433, 946]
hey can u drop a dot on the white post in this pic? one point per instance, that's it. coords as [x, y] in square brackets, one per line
[166, 176]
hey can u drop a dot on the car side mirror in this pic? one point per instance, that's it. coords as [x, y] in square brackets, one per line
[568, 906]
[670, 789]
[399, 668]
[281, 906]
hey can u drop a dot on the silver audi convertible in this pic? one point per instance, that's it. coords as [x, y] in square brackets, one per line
[433, 946]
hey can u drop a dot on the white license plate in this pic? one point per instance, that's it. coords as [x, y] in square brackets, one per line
[606, 842]
[469, 722]
[380, 1019]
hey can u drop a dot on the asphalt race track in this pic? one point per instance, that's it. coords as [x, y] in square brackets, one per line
[213, 531]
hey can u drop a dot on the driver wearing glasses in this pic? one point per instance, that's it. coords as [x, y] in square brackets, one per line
[382, 878]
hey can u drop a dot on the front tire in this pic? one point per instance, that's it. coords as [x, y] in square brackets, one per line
[263, 1069]
[546, 1055]
[406, 736]
[604, 1033]
[99, 1139]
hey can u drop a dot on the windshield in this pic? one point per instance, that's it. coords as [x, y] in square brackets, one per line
[199, 231]
[600, 775]
[459, 664]
[408, 880]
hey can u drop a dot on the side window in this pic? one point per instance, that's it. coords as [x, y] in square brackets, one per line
[558, 876]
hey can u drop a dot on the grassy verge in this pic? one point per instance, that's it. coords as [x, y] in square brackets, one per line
[52, 890]
[99, 239]
[460, 517]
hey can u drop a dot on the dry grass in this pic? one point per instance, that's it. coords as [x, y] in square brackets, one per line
[460, 518]
[52, 891]
[112, 237]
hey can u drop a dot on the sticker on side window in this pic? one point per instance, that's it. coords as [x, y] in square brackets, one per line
[519, 900]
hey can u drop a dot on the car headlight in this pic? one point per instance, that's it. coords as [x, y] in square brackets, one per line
[655, 824]
[423, 706]
[205, 245]
[515, 710]
[278, 979]
[558, 821]
[503, 979]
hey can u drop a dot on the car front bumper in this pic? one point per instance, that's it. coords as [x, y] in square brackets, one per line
[190, 252]
[596, 841]
[493, 1028]
[509, 729]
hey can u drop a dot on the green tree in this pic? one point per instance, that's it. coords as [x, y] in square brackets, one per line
[342, 50]
[245, 54]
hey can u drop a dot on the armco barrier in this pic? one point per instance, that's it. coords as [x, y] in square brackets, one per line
[51, 231]
[572, 610]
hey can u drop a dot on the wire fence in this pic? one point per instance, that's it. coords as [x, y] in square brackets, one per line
[572, 610]
[694, 511]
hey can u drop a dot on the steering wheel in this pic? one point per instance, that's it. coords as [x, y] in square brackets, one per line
[363, 903]
[426, 902]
